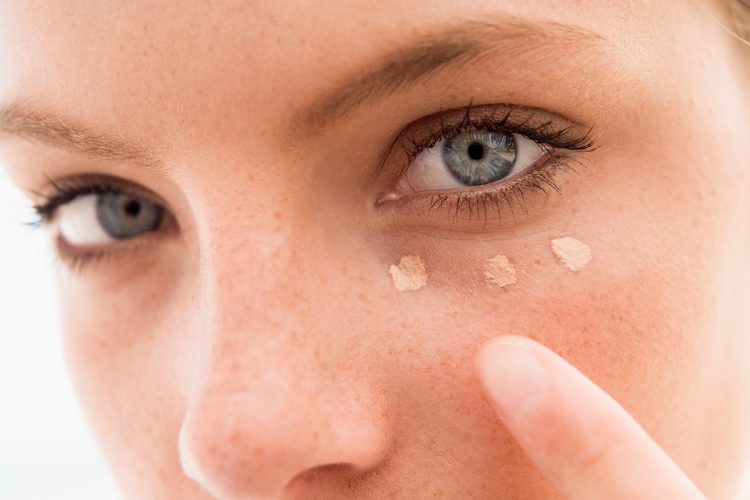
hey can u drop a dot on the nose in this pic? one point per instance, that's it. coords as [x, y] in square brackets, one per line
[279, 407]
[261, 443]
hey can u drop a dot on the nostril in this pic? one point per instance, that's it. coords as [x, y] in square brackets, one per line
[344, 474]
[330, 470]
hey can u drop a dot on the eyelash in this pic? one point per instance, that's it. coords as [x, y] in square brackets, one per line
[66, 190]
[564, 142]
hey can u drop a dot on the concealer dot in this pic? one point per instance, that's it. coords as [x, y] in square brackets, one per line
[574, 254]
[500, 271]
[409, 273]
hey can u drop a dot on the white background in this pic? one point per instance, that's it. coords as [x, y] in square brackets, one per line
[46, 449]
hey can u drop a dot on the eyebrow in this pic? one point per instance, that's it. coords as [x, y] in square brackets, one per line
[452, 46]
[23, 119]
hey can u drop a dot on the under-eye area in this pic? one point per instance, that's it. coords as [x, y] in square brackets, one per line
[478, 166]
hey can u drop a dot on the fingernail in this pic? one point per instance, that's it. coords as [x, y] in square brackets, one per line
[514, 378]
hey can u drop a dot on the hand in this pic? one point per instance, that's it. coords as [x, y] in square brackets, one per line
[578, 436]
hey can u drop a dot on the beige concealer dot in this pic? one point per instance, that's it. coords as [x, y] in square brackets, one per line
[571, 252]
[500, 271]
[409, 273]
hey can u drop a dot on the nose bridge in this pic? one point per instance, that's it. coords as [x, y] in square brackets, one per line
[253, 277]
[255, 312]
[266, 410]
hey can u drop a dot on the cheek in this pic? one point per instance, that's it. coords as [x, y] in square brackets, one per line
[624, 320]
[127, 366]
[638, 319]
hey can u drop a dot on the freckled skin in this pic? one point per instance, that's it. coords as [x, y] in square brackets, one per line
[262, 350]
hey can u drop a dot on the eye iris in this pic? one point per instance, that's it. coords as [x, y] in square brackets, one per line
[480, 157]
[124, 216]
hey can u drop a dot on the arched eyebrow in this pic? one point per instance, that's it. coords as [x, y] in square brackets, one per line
[23, 119]
[446, 47]
[449, 47]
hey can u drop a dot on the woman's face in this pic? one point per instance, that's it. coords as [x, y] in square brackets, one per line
[247, 339]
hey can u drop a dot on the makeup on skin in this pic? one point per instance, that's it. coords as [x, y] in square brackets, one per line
[409, 273]
[574, 254]
[500, 271]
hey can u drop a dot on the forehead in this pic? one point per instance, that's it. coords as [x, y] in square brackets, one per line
[148, 69]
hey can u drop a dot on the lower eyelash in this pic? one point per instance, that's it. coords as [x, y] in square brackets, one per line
[511, 194]
[76, 263]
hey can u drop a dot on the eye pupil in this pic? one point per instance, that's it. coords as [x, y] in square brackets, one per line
[133, 208]
[475, 151]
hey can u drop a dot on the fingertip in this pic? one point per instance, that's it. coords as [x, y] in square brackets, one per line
[487, 350]
[514, 378]
[491, 351]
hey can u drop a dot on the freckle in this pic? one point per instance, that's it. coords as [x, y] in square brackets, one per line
[409, 273]
[500, 271]
[235, 438]
[574, 254]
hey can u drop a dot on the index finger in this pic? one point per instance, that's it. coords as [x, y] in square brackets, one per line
[577, 434]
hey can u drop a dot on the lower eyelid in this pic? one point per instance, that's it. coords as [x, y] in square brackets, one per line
[496, 206]
[79, 258]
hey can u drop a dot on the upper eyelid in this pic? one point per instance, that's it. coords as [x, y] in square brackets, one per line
[515, 118]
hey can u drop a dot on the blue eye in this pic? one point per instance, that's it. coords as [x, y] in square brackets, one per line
[123, 216]
[467, 159]
[102, 218]
[479, 157]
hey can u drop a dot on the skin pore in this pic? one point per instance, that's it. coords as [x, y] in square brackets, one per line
[254, 346]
